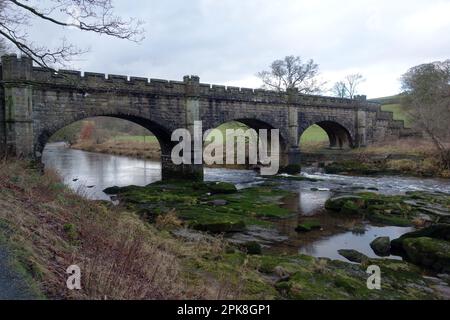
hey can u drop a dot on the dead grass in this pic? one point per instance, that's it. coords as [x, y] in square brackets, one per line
[120, 256]
[406, 146]
[137, 149]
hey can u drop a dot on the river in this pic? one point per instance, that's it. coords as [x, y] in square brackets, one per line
[89, 173]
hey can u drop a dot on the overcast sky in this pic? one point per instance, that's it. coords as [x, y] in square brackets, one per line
[229, 41]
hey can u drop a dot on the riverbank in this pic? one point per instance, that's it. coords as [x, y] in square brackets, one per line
[149, 150]
[154, 244]
[407, 157]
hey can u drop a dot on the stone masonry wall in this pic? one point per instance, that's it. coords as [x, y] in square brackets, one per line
[35, 103]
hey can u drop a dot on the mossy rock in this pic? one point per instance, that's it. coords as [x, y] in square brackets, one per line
[436, 231]
[308, 226]
[428, 252]
[118, 190]
[252, 248]
[220, 227]
[353, 256]
[221, 188]
[355, 167]
[381, 246]
[337, 203]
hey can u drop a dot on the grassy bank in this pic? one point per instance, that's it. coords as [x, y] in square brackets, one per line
[130, 146]
[121, 257]
[126, 253]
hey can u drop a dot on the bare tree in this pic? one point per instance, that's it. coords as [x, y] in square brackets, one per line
[427, 100]
[348, 87]
[340, 89]
[292, 72]
[97, 16]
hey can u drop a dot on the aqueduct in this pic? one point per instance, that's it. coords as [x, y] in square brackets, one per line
[36, 102]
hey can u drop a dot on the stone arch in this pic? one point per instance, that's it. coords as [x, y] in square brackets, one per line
[340, 133]
[161, 133]
[257, 124]
[253, 123]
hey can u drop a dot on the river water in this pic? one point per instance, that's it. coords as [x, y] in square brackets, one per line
[89, 173]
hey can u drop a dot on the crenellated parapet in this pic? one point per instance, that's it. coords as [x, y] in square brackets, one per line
[21, 69]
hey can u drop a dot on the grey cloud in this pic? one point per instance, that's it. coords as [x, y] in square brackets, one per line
[231, 40]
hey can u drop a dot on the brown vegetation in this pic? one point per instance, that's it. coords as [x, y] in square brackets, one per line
[142, 150]
[120, 256]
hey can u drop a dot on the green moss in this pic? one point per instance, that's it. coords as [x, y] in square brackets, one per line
[191, 202]
[428, 252]
[308, 226]
[393, 210]
[355, 167]
[252, 247]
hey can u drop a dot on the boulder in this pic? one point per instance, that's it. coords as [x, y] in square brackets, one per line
[354, 256]
[252, 247]
[429, 253]
[282, 273]
[337, 203]
[437, 231]
[381, 246]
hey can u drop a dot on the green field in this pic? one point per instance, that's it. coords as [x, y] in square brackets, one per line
[314, 134]
[399, 112]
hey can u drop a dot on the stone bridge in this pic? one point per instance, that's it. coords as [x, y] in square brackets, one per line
[35, 103]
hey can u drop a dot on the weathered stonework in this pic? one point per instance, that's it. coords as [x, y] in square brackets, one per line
[35, 103]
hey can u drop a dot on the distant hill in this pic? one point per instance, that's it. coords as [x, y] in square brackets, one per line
[388, 100]
[393, 104]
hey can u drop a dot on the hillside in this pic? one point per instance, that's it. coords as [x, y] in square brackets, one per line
[393, 104]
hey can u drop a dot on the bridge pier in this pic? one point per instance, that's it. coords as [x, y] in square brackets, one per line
[16, 107]
[361, 132]
[290, 161]
[171, 171]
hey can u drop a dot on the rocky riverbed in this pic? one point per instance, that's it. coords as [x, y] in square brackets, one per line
[249, 220]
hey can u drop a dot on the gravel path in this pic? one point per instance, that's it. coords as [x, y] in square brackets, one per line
[12, 284]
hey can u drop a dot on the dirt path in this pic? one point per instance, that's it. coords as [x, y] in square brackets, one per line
[12, 285]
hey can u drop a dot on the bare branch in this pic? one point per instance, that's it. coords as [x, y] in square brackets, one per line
[348, 87]
[292, 72]
[86, 15]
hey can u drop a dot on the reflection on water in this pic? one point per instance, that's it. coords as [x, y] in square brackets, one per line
[310, 202]
[89, 173]
[329, 247]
